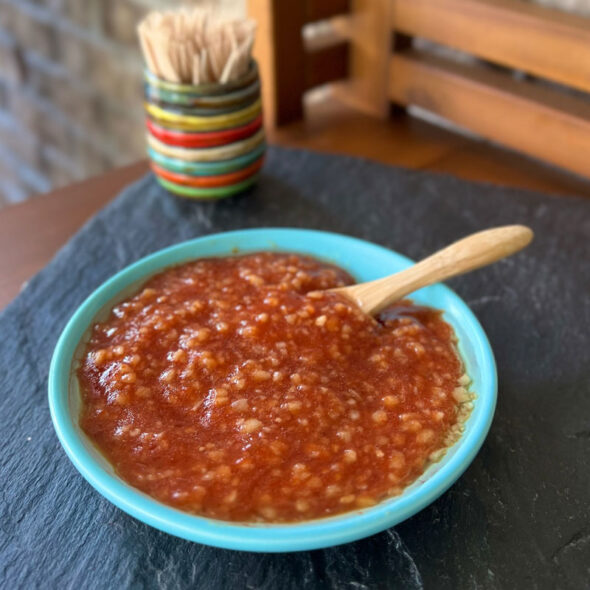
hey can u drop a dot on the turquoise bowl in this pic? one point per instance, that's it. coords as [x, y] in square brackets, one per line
[365, 261]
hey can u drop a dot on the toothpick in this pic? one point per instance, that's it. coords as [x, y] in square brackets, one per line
[195, 45]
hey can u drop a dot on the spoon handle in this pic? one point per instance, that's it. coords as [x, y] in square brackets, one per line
[472, 252]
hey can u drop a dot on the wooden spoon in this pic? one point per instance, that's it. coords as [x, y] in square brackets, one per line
[472, 252]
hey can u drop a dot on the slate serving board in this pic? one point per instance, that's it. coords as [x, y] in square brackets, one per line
[517, 518]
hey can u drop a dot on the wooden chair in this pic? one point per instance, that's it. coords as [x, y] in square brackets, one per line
[526, 87]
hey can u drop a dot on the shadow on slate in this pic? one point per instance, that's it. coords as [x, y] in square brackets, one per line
[517, 518]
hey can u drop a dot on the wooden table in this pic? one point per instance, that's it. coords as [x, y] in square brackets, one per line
[31, 233]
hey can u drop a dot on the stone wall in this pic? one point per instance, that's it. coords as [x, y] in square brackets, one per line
[70, 90]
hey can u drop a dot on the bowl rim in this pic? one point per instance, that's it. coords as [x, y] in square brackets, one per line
[263, 537]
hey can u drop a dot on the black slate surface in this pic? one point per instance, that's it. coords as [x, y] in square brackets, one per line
[519, 516]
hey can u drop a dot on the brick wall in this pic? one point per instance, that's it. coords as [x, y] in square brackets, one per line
[70, 90]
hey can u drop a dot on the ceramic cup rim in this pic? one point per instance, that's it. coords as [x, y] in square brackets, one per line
[207, 89]
[162, 97]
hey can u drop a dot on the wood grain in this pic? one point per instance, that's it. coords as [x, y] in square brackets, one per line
[31, 232]
[470, 253]
[542, 41]
[331, 125]
[289, 64]
[326, 64]
[316, 10]
[280, 54]
[538, 121]
[369, 33]
[484, 161]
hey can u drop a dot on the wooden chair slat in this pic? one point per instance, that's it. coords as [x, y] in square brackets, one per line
[538, 40]
[532, 119]
[327, 64]
[374, 56]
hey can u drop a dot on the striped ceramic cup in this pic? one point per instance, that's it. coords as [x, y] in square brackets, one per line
[205, 141]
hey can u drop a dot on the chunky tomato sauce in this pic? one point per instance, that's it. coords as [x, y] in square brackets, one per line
[231, 388]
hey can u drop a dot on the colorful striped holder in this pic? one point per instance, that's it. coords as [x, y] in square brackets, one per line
[183, 99]
[213, 154]
[206, 141]
[187, 122]
[206, 168]
[208, 194]
[208, 181]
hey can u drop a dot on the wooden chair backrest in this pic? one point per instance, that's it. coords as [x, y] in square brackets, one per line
[528, 89]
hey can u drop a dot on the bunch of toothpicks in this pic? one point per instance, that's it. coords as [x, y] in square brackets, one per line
[195, 46]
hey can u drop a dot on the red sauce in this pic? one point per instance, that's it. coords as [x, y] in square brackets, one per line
[224, 390]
